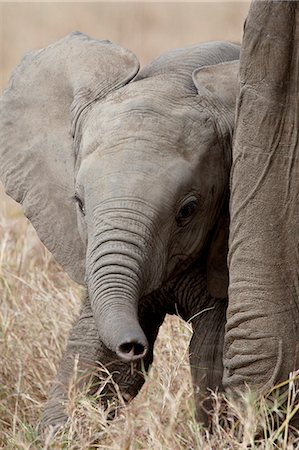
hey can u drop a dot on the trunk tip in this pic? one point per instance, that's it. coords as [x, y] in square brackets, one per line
[132, 350]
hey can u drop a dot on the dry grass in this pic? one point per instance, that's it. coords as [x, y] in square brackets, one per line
[38, 305]
[38, 302]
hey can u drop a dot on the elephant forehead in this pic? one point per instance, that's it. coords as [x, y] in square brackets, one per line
[158, 122]
[160, 183]
[142, 175]
[127, 164]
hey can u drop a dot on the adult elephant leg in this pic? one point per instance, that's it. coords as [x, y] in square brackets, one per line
[96, 366]
[262, 333]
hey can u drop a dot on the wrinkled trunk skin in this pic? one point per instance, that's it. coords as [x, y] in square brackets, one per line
[119, 273]
[262, 332]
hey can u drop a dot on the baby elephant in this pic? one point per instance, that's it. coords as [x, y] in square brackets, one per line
[125, 175]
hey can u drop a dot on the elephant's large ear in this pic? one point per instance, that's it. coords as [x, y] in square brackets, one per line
[38, 114]
[220, 83]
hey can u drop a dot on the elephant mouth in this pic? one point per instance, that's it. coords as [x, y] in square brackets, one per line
[177, 264]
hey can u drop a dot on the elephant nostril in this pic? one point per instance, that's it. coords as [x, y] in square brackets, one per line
[131, 351]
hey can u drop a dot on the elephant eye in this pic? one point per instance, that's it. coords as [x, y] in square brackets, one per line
[186, 212]
[80, 204]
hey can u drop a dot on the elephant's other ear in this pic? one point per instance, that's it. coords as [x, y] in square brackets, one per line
[221, 83]
[38, 115]
[221, 80]
[217, 270]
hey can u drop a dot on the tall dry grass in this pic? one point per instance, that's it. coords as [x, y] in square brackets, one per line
[38, 302]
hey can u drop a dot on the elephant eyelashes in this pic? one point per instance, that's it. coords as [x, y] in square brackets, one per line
[80, 204]
[186, 213]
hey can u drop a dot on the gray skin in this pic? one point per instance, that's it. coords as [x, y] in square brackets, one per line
[125, 178]
[187, 296]
[262, 331]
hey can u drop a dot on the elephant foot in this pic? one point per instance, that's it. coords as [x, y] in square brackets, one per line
[50, 427]
[54, 419]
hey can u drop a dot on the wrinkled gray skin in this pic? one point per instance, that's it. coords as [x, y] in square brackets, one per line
[262, 332]
[125, 178]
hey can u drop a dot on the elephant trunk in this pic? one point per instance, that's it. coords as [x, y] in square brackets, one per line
[118, 275]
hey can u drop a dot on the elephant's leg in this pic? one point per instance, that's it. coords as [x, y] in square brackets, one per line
[262, 333]
[206, 352]
[83, 351]
[208, 317]
[96, 366]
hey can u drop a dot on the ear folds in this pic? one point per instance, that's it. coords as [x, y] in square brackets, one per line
[39, 112]
[221, 80]
[217, 270]
[220, 83]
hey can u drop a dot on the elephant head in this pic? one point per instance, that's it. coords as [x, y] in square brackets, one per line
[124, 177]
